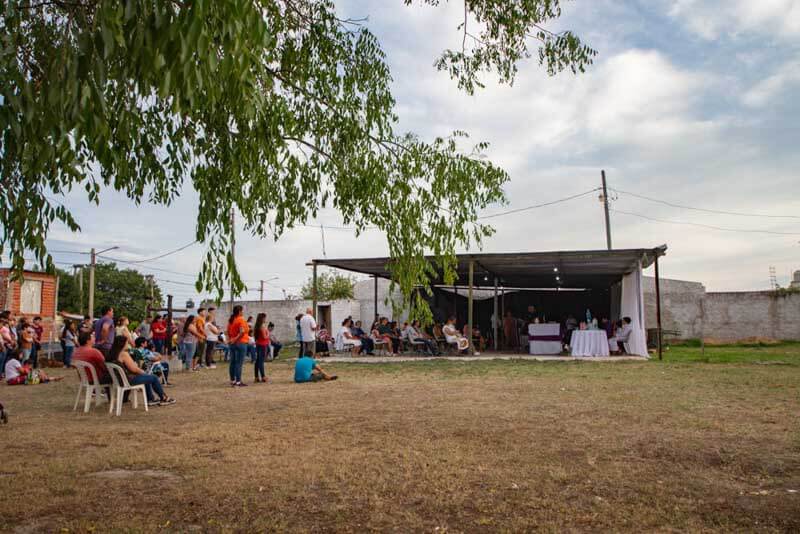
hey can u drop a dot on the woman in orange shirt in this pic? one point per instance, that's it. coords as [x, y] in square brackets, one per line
[238, 337]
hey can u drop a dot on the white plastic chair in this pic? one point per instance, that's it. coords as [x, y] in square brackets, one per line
[381, 346]
[120, 385]
[342, 344]
[93, 386]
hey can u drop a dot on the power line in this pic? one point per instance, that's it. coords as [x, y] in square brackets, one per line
[542, 205]
[147, 267]
[720, 212]
[164, 255]
[739, 230]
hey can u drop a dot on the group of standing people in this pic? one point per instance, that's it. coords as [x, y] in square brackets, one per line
[20, 343]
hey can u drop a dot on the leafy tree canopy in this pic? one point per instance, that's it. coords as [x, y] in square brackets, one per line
[330, 286]
[124, 290]
[272, 109]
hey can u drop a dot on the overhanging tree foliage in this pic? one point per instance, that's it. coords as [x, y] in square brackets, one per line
[330, 286]
[269, 108]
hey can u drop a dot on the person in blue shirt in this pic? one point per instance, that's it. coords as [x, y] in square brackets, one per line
[307, 370]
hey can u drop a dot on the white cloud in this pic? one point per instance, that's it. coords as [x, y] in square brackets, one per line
[660, 127]
[768, 89]
[711, 18]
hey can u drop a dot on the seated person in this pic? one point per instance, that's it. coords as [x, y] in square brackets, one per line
[415, 336]
[452, 335]
[151, 361]
[86, 352]
[388, 335]
[322, 337]
[18, 374]
[366, 341]
[346, 338]
[136, 376]
[622, 335]
[476, 336]
[306, 369]
[276, 345]
[15, 372]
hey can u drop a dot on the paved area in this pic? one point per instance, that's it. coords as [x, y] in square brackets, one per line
[342, 358]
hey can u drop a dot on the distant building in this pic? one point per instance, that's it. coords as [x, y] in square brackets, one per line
[36, 295]
[795, 283]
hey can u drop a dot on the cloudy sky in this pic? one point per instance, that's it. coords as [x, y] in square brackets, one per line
[692, 102]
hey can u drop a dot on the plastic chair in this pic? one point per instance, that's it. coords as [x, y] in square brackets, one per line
[120, 385]
[381, 346]
[93, 386]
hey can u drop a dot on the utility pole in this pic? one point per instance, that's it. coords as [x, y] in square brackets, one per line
[92, 263]
[261, 291]
[77, 275]
[80, 285]
[605, 207]
[91, 284]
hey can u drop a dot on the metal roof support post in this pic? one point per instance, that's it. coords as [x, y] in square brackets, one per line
[455, 302]
[375, 299]
[469, 306]
[495, 318]
[503, 310]
[314, 302]
[658, 312]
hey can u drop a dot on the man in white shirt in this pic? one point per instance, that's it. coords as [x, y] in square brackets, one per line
[623, 335]
[308, 326]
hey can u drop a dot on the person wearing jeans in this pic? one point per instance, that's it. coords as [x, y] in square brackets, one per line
[262, 346]
[119, 355]
[238, 338]
[190, 338]
[151, 385]
[237, 352]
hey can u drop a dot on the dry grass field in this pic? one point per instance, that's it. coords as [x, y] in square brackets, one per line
[433, 446]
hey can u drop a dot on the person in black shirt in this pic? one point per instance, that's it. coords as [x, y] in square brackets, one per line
[366, 341]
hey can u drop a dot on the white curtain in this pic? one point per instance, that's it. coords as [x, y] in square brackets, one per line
[633, 307]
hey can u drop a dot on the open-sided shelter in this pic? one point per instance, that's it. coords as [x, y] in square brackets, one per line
[609, 281]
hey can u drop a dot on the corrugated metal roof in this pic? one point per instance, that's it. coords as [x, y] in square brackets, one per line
[574, 268]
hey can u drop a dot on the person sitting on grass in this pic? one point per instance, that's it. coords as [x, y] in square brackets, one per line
[142, 352]
[306, 369]
[120, 356]
[18, 374]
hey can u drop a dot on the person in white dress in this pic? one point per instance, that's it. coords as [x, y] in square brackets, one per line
[453, 336]
[346, 337]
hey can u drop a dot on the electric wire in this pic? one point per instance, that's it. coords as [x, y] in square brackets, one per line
[720, 212]
[685, 223]
[535, 206]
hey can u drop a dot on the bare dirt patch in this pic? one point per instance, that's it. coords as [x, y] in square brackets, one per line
[123, 474]
[484, 446]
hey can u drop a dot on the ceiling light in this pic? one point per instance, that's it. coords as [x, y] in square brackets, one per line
[555, 269]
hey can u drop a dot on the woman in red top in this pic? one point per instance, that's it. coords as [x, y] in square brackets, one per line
[262, 346]
[159, 329]
[238, 336]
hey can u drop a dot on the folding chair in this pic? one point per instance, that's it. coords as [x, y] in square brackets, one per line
[93, 386]
[120, 385]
